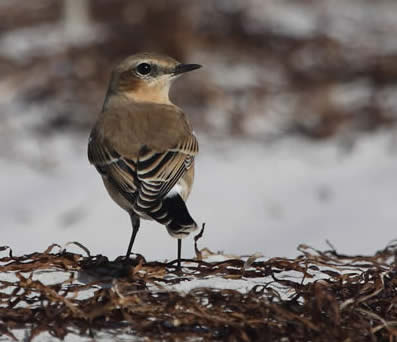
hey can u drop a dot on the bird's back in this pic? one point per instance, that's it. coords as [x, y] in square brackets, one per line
[129, 126]
[145, 153]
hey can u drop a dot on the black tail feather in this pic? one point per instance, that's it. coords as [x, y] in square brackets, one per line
[179, 214]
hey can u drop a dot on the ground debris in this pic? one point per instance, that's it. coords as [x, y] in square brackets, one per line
[318, 296]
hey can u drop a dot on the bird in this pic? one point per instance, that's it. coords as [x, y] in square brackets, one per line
[143, 145]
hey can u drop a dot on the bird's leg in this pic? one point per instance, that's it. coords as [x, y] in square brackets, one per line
[179, 252]
[135, 227]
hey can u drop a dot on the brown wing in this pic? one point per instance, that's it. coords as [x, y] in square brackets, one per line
[119, 171]
[146, 178]
[158, 172]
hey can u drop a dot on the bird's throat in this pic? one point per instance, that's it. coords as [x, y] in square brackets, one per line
[155, 92]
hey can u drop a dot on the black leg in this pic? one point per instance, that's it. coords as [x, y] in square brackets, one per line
[179, 252]
[135, 227]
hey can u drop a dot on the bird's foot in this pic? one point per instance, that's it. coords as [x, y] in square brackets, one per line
[133, 259]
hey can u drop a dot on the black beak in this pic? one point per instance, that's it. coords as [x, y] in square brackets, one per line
[182, 68]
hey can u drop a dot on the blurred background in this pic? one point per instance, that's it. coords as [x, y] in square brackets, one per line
[295, 110]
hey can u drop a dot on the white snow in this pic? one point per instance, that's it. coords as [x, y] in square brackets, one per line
[111, 335]
[254, 197]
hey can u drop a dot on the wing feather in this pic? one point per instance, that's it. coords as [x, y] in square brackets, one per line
[144, 181]
[165, 169]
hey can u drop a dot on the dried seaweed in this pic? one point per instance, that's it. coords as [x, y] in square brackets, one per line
[318, 296]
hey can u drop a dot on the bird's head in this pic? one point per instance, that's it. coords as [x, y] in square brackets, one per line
[147, 77]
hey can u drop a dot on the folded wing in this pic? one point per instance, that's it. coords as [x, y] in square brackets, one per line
[146, 179]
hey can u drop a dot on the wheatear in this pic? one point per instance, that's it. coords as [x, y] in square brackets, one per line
[143, 145]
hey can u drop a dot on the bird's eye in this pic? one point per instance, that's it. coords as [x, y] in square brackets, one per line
[144, 68]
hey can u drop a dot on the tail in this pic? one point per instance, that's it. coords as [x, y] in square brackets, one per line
[182, 224]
